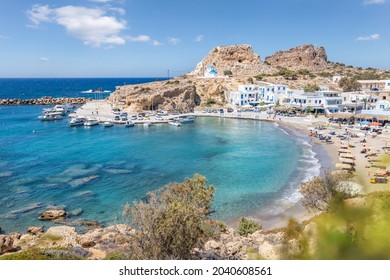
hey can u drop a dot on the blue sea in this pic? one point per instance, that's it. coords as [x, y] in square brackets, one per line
[93, 172]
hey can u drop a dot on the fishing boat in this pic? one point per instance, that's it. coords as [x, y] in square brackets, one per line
[146, 124]
[174, 123]
[76, 122]
[129, 123]
[108, 124]
[50, 117]
[188, 119]
[91, 122]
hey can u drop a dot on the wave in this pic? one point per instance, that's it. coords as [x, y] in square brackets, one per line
[308, 166]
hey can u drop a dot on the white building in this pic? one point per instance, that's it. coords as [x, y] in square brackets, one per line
[255, 94]
[210, 72]
[375, 85]
[271, 93]
[246, 95]
[327, 101]
[336, 79]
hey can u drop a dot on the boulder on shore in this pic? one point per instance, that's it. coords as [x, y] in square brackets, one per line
[53, 214]
[35, 230]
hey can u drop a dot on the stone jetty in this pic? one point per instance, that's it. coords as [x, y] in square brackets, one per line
[45, 100]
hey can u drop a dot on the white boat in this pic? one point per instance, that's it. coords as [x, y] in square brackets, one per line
[146, 124]
[108, 124]
[129, 123]
[188, 119]
[98, 90]
[58, 109]
[50, 117]
[175, 123]
[91, 122]
[76, 122]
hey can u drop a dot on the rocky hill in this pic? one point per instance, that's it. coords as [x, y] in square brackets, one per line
[241, 60]
[302, 57]
[295, 68]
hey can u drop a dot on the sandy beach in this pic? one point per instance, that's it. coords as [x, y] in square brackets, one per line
[326, 153]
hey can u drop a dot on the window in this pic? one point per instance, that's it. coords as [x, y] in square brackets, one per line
[319, 101]
[315, 101]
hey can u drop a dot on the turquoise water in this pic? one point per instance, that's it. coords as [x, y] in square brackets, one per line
[253, 165]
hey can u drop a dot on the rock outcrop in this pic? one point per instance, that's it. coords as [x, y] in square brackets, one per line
[241, 60]
[53, 215]
[179, 94]
[302, 57]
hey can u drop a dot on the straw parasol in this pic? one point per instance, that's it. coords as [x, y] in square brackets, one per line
[344, 166]
[347, 161]
[347, 156]
[344, 151]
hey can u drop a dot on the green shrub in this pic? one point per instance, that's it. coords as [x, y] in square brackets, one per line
[247, 226]
[172, 221]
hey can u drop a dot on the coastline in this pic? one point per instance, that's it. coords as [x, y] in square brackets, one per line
[325, 154]
[327, 158]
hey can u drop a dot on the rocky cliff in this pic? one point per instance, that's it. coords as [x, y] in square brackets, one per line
[302, 57]
[179, 94]
[186, 92]
[241, 60]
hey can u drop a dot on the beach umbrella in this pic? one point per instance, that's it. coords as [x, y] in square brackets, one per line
[347, 156]
[375, 124]
[347, 160]
[364, 122]
[343, 166]
[344, 151]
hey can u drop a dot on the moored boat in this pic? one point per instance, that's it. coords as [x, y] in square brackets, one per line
[91, 122]
[174, 123]
[129, 123]
[108, 124]
[188, 119]
[50, 117]
[76, 122]
[148, 123]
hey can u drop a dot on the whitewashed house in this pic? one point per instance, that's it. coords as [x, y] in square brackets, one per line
[321, 101]
[271, 93]
[374, 85]
[210, 72]
[336, 79]
[246, 95]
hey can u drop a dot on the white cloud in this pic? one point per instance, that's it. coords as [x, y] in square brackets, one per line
[156, 43]
[91, 25]
[199, 38]
[101, 1]
[40, 13]
[43, 59]
[174, 41]
[140, 38]
[373, 2]
[371, 37]
[2, 37]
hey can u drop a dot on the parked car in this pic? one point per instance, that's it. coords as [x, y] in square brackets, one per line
[117, 118]
[230, 110]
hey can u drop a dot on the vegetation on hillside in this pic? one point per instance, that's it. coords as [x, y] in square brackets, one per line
[172, 221]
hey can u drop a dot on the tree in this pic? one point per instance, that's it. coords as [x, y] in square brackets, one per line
[227, 73]
[247, 226]
[320, 193]
[311, 88]
[349, 84]
[172, 221]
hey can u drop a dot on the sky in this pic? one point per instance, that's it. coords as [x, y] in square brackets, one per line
[146, 38]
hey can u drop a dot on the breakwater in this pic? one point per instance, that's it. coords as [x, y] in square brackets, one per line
[45, 100]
